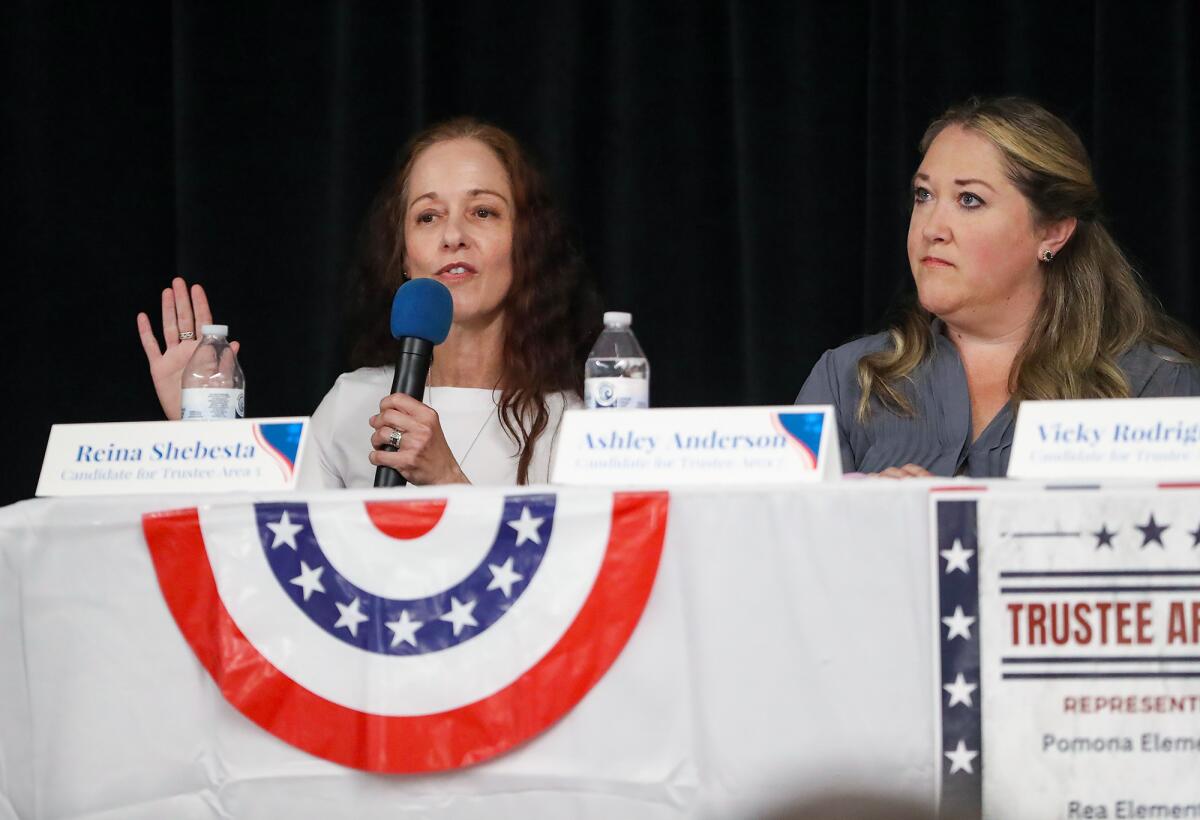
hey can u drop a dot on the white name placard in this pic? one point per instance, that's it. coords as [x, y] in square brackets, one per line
[1107, 438]
[697, 445]
[173, 456]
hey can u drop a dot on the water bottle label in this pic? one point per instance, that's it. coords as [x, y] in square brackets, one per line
[213, 403]
[619, 392]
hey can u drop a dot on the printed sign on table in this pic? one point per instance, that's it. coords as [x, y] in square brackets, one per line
[172, 457]
[1069, 657]
[1157, 439]
[697, 445]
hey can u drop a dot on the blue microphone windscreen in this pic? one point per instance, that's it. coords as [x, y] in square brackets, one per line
[422, 308]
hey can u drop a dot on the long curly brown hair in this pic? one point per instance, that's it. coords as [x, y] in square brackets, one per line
[551, 311]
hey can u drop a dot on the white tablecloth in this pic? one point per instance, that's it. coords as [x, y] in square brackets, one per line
[785, 649]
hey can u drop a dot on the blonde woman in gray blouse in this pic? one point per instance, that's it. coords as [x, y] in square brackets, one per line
[1021, 294]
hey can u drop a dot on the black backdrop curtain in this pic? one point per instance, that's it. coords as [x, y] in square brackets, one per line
[736, 172]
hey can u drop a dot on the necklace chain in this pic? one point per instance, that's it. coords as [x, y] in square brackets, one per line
[478, 433]
[462, 461]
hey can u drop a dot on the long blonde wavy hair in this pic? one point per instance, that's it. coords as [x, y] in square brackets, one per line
[1094, 306]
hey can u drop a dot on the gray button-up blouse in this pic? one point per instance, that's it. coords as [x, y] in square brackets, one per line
[938, 435]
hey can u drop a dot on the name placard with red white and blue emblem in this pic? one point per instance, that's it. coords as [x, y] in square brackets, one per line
[697, 445]
[151, 457]
[1069, 635]
[412, 635]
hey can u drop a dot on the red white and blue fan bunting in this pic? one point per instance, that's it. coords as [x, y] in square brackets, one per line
[407, 636]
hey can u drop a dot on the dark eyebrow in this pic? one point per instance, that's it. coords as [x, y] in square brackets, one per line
[964, 182]
[429, 195]
[472, 192]
[478, 191]
[959, 182]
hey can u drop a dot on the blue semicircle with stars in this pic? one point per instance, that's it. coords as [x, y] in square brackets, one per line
[390, 626]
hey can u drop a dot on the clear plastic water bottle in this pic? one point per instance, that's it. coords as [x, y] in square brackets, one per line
[213, 384]
[617, 373]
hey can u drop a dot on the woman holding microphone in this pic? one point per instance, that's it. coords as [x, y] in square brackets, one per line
[465, 207]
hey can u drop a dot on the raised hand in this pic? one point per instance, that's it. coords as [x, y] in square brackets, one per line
[182, 317]
[423, 456]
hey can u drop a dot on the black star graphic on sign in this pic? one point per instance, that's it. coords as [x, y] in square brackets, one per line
[1195, 536]
[1152, 532]
[1104, 537]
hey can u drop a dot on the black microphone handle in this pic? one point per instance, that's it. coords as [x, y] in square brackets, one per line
[412, 367]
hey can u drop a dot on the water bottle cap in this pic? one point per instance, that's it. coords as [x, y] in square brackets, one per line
[214, 330]
[616, 318]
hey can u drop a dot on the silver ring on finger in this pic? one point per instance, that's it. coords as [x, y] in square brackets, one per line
[394, 439]
[185, 335]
